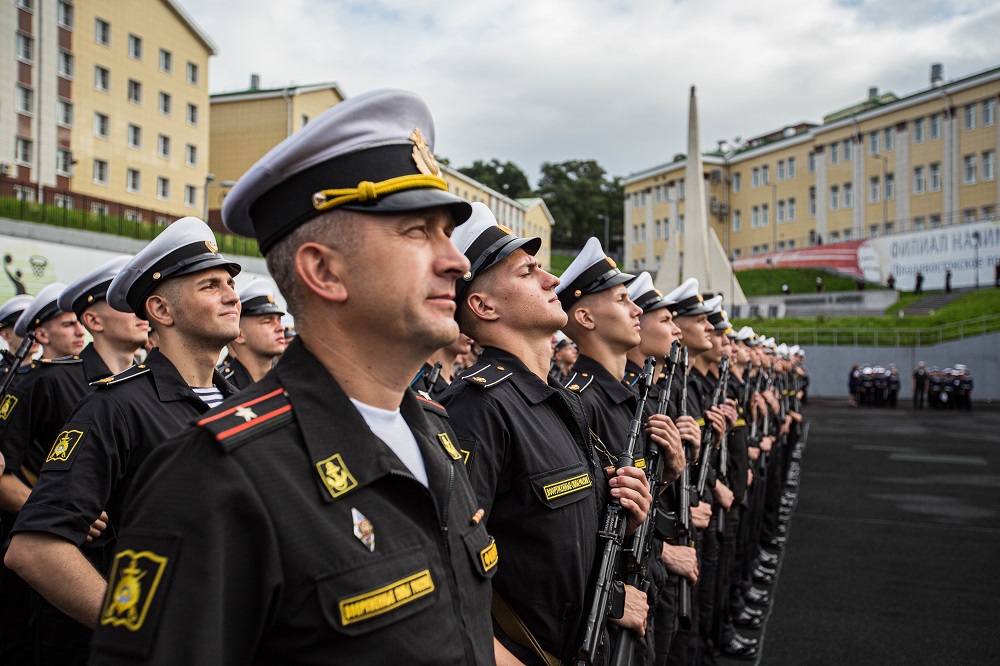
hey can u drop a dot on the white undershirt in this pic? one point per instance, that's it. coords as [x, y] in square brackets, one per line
[391, 428]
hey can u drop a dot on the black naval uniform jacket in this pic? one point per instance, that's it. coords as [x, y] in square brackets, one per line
[44, 398]
[91, 463]
[531, 462]
[737, 439]
[421, 386]
[281, 530]
[235, 373]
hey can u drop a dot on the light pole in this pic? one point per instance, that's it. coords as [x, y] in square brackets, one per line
[976, 237]
[209, 182]
[607, 231]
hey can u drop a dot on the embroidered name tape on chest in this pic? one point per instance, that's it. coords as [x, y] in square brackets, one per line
[236, 425]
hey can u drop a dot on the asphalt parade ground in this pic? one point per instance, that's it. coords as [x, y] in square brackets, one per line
[893, 551]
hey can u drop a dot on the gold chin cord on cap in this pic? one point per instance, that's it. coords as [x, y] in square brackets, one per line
[367, 191]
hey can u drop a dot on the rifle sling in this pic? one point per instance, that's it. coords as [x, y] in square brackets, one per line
[518, 631]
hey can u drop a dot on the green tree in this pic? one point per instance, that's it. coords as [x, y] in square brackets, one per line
[505, 177]
[579, 193]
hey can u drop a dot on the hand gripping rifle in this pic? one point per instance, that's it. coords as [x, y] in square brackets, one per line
[685, 535]
[642, 539]
[15, 361]
[706, 452]
[608, 599]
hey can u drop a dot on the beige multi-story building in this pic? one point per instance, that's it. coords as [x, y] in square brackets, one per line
[246, 124]
[110, 105]
[883, 166]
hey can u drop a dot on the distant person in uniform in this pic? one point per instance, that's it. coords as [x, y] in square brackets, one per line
[819, 285]
[786, 290]
[891, 281]
[261, 339]
[919, 385]
[947, 281]
[919, 288]
[996, 275]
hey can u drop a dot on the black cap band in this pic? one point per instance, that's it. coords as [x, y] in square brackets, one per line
[651, 300]
[594, 279]
[260, 305]
[688, 305]
[10, 319]
[47, 312]
[98, 292]
[491, 247]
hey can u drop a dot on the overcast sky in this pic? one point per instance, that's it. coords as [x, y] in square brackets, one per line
[550, 80]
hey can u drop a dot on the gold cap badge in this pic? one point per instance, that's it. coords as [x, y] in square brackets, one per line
[422, 157]
[212, 247]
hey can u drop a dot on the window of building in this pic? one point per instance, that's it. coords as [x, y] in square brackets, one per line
[890, 186]
[780, 246]
[848, 150]
[918, 130]
[969, 117]
[764, 214]
[191, 155]
[642, 196]
[989, 165]
[847, 234]
[737, 221]
[754, 217]
[764, 248]
[102, 32]
[834, 197]
[812, 163]
[133, 180]
[935, 126]
[968, 216]
[874, 189]
[166, 61]
[755, 177]
[192, 78]
[135, 47]
[989, 111]
[873, 231]
[190, 196]
[935, 176]
[791, 167]
[642, 232]
[834, 153]
[24, 99]
[64, 15]
[968, 169]
[192, 119]
[635, 233]
[102, 79]
[848, 195]
[834, 236]
[755, 249]
[765, 175]
[888, 228]
[64, 113]
[100, 172]
[919, 180]
[26, 4]
[890, 138]
[65, 65]
[658, 193]
[779, 213]
[305, 120]
[24, 47]
[680, 224]
[163, 188]
[791, 210]
[781, 170]
[737, 253]
[134, 91]
[102, 125]
[22, 150]
[165, 104]
[988, 212]
[812, 202]
[935, 221]
[163, 145]
[873, 143]
[737, 181]
[680, 189]
[134, 136]
[64, 163]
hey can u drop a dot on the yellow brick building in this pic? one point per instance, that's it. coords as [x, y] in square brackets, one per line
[882, 166]
[111, 104]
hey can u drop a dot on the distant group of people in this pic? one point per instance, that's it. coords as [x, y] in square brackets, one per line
[950, 388]
[873, 386]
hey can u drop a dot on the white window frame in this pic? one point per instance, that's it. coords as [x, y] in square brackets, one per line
[874, 189]
[969, 117]
[989, 165]
[135, 47]
[166, 63]
[165, 104]
[23, 150]
[848, 195]
[163, 146]
[190, 196]
[193, 80]
[791, 168]
[919, 127]
[135, 86]
[765, 214]
[100, 172]
[102, 125]
[163, 188]
[737, 221]
[754, 217]
[791, 209]
[848, 150]
[889, 188]
[102, 75]
[834, 152]
[781, 170]
[64, 15]
[64, 113]
[191, 150]
[24, 100]
[835, 197]
[873, 143]
[989, 111]
[969, 169]
[24, 47]
[919, 179]
[133, 136]
[755, 177]
[66, 65]
[811, 165]
[934, 126]
[934, 177]
[765, 174]
[737, 181]
[102, 26]
[889, 138]
[133, 181]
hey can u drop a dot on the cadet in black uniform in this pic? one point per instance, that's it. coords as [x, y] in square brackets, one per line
[261, 339]
[323, 515]
[563, 359]
[9, 312]
[183, 287]
[528, 448]
[439, 371]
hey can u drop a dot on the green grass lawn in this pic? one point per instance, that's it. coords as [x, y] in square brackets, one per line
[560, 262]
[766, 281]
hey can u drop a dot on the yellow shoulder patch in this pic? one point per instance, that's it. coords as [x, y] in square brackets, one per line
[449, 448]
[7, 406]
[336, 477]
[133, 582]
[386, 598]
[64, 446]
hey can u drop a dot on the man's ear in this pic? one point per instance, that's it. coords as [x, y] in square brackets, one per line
[92, 321]
[322, 271]
[42, 335]
[481, 306]
[159, 312]
[583, 318]
[240, 339]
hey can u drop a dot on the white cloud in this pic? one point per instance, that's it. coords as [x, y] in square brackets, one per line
[561, 79]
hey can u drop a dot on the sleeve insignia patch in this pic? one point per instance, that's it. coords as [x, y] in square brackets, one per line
[385, 599]
[566, 486]
[7, 406]
[488, 556]
[64, 446]
[337, 479]
[134, 579]
[449, 448]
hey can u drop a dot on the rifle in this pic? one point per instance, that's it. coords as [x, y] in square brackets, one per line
[431, 379]
[15, 360]
[720, 522]
[706, 452]
[642, 539]
[685, 535]
[608, 599]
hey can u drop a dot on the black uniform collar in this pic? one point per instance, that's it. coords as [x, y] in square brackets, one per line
[170, 386]
[528, 383]
[612, 386]
[94, 367]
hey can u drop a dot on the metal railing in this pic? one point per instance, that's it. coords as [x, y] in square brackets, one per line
[890, 337]
[62, 208]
